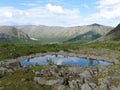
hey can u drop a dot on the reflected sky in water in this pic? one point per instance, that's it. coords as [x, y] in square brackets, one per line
[63, 60]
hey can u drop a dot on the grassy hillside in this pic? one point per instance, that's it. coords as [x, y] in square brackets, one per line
[9, 34]
[89, 36]
[113, 35]
[52, 34]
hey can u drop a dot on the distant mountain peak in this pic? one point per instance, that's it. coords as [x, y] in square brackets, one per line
[95, 24]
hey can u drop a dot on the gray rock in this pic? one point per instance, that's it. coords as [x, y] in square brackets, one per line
[86, 87]
[40, 80]
[93, 86]
[85, 76]
[43, 81]
[38, 74]
[104, 83]
[59, 87]
[74, 85]
[52, 82]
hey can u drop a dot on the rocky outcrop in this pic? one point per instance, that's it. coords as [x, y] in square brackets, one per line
[69, 77]
[87, 78]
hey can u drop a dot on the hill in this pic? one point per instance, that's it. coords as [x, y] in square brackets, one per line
[113, 35]
[54, 34]
[9, 34]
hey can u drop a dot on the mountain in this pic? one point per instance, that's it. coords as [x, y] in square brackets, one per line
[113, 35]
[53, 34]
[9, 34]
[88, 36]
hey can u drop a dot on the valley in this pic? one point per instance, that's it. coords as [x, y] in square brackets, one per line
[51, 76]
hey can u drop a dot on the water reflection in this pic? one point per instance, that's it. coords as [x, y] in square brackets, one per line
[61, 60]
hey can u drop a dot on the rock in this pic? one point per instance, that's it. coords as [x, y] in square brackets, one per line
[38, 74]
[40, 80]
[104, 84]
[85, 76]
[74, 85]
[93, 86]
[52, 82]
[86, 87]
[65, 81]
[114, 88]
[89, 86]
[59, 87]
[76, 69]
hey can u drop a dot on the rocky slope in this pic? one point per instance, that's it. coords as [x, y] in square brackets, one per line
[60, 34]
[11, 34]
[59, 77]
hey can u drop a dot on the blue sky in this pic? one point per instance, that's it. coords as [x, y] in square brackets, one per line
[59, 12]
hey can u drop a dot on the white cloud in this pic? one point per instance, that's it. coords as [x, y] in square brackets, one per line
[108, 9]
[108, 3]
[55, 9]
[39, 15]
[8, 14]
[108, 12]
[28, 4]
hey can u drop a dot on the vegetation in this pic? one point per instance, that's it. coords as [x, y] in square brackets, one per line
[21, 80]
[17, 50]
[100, 45]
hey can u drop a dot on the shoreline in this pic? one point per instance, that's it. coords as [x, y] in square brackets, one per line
[103, 58]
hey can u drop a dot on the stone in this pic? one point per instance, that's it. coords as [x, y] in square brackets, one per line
[52, 82]
[74, 85]
[40, 80]
[86, 87]
[104, 83]
[59, 87]
[85, 76]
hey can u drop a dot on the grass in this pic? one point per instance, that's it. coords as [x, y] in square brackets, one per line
[21, 80]
[17, 50]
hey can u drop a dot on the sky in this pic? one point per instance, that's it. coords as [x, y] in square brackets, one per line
[59, 12]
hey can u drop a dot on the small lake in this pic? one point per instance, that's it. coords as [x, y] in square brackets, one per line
[62, 60]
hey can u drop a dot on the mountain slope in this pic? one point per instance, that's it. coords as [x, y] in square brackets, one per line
[9, 34]
[113, 35]
[48, 34]
[90, 35]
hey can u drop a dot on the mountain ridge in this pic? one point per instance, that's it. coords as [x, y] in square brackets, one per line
[113, 35]
[9, 34]
[53, 34]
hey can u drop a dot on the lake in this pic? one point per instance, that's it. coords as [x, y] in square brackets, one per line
[62, 60]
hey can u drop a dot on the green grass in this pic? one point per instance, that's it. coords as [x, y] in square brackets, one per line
[100, 45]
[21, 80]
[17, 50]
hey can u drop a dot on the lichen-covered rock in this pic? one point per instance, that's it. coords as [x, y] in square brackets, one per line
[104, 83]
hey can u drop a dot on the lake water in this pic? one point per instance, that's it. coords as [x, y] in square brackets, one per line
[63, 60]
